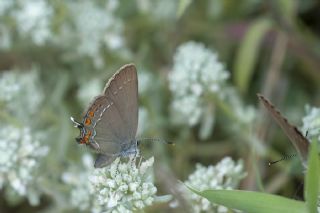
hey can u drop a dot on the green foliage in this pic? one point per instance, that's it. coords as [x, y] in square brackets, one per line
[248, 53]
[249, 201]
[312, 178]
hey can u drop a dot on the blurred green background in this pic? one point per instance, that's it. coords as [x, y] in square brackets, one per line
[55, 56]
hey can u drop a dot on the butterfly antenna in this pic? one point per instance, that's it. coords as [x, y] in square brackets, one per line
[76, 123]
[155, 140]
[286, 157]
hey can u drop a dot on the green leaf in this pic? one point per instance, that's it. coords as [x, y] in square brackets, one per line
[249, 201]
[248, 52]
[312, 178]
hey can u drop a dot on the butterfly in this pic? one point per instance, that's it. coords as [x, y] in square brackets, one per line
[109, 125]
[300, 143]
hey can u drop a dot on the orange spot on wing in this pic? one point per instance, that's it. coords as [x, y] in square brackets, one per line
[85, 139]
[91, 114]
[87, 121]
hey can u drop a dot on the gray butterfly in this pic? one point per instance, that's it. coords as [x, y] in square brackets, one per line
[300, 143]
[110, 123]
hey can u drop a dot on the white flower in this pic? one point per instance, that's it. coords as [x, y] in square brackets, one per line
[95, 27]
[196, 73]
[311, 122]
[34, 19]
[133, 191]
[20, 92]
[20, 155]
[120, 187]
[225, 175]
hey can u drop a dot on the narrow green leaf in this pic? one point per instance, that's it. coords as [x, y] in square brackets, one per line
[312, 178]
[248, 52]
[249, 201]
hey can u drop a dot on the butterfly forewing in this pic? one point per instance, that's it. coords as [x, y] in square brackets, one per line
[110, 123]
[300, 143]
[122, 90]
[117, 124]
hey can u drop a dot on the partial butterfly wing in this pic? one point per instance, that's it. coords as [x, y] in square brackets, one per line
[101, 134]
[300, 143]
[117, 123]
[122, 90]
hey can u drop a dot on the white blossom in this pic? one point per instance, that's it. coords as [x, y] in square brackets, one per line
[20, 156]
[120, 187]
[94, 28]
[196, 73]
[225, 175]
[20, 93]
[33, 18]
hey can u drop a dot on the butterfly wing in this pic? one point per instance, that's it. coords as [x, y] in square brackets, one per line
[300, 143]
[103, 160]
[118, 119]
[122, 90]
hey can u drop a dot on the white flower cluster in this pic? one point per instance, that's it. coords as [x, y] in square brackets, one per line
[20, 93]
[95, 26]
[20, 148]
[196, 73]
[311, 122]
[33, 19]
[225, 175]
[20, 153]
[90, 26]
[120, 187]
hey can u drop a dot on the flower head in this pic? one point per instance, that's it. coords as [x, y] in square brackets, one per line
[20, 93]
[120, 187]
[34, 19]
[20, 154]
[94, 27]
[21, 151]
[196, 73]
[225, 175]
